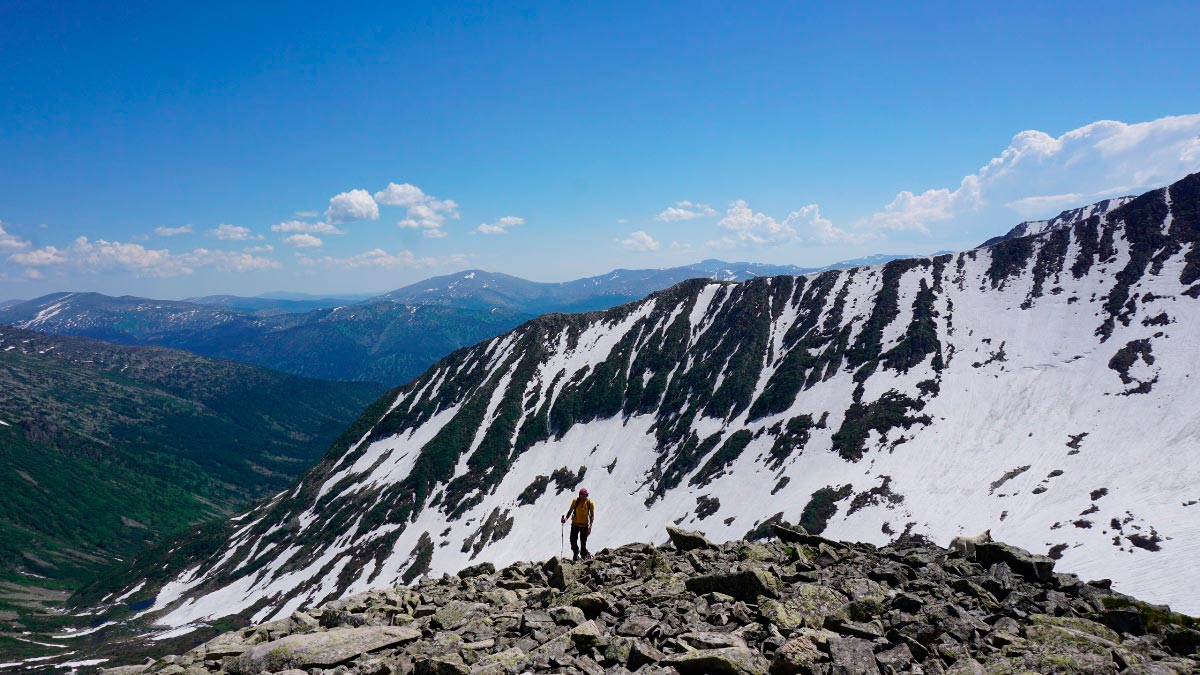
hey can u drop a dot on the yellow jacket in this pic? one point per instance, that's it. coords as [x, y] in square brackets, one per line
[582, 512]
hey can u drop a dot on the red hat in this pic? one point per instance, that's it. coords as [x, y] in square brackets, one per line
[582, 492]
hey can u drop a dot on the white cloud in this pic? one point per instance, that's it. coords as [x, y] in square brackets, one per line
[11, 242]
[173, 231]
[303, 241]
[1031, 206]
[227, 232]
[500, 226]
[303, 226]
[229, 261]
[352, 206]
[424, 211]
[401, 194]
[640, 241]
[685, 210]
[105, 256]
[265, 248]
[39, 257]
[381, 259]
[1038, 175]
[804, 225]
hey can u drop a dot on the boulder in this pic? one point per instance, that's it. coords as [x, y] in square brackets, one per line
[567, 615]
[455, 613]
[745, 585]
[560, 573]
[852, 656]
[322, 650]
[509, 661]
[643, 653]
[1033, 567]
[725, 661]
[801, 654]
[477, 570]
[684, 540]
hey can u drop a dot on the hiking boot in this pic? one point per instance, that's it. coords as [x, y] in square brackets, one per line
[575, 555]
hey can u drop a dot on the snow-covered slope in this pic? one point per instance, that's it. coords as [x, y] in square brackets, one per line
[1041, 387]
[1067, 218]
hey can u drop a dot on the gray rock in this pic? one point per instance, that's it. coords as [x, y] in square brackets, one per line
[567, 615]
[801, 654]
[897, 659]
[712, 640]
[726, 661]
[852, 656]
[477, 570]
[511, 660]
[322, 650]
[561, 575]
[1032, 567]
[684, 540]
[745, 585]
[643, 653]
[455, 614]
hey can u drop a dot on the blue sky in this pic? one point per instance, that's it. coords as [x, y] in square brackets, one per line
[151, 149]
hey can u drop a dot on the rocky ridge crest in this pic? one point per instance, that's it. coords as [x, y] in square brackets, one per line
[797, 603]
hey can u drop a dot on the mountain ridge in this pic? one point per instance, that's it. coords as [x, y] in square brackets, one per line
[862, 400]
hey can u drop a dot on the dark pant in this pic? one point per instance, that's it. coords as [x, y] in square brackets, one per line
[579, 534]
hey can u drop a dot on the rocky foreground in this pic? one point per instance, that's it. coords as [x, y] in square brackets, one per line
[796, 604]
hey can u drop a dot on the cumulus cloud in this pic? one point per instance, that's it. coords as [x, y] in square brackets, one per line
[303, 241]
[381, 259]
[1038, 175]
[11, 242]
[401, 194]
[352, 206]
[173, 231]
[806, 224]
[100, 255]
[639, 241]
[500, 226]
[304, 226]
[423, 211]
[684, 210]
[39, 257]
[227, 232]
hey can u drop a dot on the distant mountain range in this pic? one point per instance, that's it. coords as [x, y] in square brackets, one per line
[376, 341]
[389, 338]
[484, 290]
[104, 448]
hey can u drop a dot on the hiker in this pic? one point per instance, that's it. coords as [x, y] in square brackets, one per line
[582, 514]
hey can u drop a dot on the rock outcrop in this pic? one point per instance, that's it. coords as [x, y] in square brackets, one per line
[739, 608]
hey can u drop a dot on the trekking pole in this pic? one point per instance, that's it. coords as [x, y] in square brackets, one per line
[562, 540]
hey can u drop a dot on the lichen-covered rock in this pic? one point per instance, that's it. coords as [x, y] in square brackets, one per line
[725, 661]
[745, 585]
[801, 654]
[321, 650]
[852, 656]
